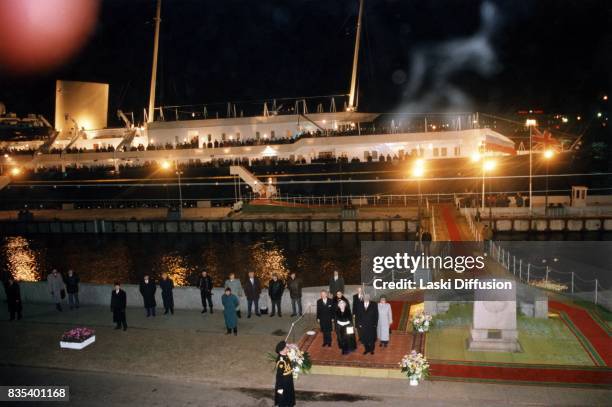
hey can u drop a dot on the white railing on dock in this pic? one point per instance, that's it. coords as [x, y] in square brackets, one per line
[545, 276]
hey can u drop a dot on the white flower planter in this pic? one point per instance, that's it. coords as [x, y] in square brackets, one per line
[414, 382]
[78, 345]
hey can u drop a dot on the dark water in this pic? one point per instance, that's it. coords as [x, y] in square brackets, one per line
[126, 258]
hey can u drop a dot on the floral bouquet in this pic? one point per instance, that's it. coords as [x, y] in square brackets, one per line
[415, 366]
[300, 361]
[421, 322]
[78, 335]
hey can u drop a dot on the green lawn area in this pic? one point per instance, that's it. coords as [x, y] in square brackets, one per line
[543, 341]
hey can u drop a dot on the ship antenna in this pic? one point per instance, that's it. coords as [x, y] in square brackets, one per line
[352, 105]
[151, 117]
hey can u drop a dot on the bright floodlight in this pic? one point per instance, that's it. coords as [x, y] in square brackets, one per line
[15, 171]
[548, 154]
[489, 165]
[418, 170]
[475, 157]
[531, 123]
[165, 165]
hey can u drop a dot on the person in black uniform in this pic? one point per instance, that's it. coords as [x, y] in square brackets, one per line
[284, 392]
[345, 331]
[167, 285]
[147, 290]
[325, 317]
[13, 298]
[205, 284]
[118, 305]
[368, 321]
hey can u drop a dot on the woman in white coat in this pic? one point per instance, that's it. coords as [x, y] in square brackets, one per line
[385, 319]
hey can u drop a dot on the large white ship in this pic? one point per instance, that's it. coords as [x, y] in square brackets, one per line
[292, 133]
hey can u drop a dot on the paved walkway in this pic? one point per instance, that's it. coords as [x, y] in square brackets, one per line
[189, 353]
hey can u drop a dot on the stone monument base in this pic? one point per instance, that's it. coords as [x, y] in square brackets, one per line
[494, 340]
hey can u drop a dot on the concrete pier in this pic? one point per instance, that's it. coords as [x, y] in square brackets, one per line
[260, 225]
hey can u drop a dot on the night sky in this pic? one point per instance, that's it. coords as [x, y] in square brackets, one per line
[426, 55]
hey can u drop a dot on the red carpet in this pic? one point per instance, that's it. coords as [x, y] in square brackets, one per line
[521, 374]
[453, 231]
[591, 330]
[397, 309]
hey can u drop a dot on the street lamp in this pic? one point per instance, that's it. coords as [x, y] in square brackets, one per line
[488, 166]
[166, 165]
[15, 171]
[548, 155]
[418, 170]
[531, 123]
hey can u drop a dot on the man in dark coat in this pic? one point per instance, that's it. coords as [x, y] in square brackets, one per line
[13, 298]
[205, 284]
[357, 308]
[252, 290]
[284, 392]
[368, 321]
[147, 290]
[336, 283]
[118, 305]
[325, 317]
[295, 293]
[167, 285]
[275, 291]
[72, 288]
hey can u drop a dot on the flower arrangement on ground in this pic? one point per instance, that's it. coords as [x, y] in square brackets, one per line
[550, 285]
[421, 322]
[78, 334]
[415, 366]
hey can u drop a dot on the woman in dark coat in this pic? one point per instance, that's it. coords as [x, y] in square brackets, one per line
[230, 303]
[167, 285]
[345, 331]
[13, 298]
[118, 305]
[284, 392]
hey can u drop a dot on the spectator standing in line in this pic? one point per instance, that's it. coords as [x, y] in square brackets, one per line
[230, 302]
[147, 290]
[234, 284]
[118, 306]
[167, 285]
[72, 288]
[275, 290]
[13, 298]
[295, 292]
[252, 289]
[336, 283]
[205, 284]
[57, 288]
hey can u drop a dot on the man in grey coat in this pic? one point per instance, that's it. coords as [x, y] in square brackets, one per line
[55, 285]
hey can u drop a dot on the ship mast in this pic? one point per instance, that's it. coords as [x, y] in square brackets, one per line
[151, 115]
[352, 106]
